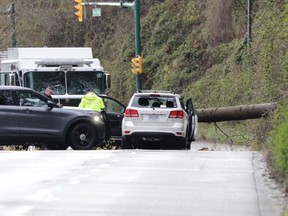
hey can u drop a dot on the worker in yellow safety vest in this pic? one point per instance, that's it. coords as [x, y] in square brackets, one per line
[92, 101]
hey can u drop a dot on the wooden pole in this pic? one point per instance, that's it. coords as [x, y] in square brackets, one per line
[235, 113]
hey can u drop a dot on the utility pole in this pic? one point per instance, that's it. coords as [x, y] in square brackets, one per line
[249, 23]
[11, 13]
[235, 113]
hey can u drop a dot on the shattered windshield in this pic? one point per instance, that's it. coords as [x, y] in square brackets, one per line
[79, 81]
[40, 80]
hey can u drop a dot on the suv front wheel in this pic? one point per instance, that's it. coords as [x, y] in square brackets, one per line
[82, 137]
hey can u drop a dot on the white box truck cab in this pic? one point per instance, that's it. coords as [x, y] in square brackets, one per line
[70, 70]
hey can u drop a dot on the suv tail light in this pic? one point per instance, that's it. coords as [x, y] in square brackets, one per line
[176, 114]
[131, 113]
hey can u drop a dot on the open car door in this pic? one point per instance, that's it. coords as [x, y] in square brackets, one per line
[193, 120]
[115, 113]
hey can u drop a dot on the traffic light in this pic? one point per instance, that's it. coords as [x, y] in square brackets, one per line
[140, 65]
[79, 8]
[134, 65]
[137, 65]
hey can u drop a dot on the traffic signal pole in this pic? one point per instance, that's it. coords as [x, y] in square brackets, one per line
[136, 6]
[137, 41]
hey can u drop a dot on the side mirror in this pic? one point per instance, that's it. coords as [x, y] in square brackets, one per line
[107, 83]
[12, 79]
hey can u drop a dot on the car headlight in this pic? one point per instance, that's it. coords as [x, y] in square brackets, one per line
[96, 116]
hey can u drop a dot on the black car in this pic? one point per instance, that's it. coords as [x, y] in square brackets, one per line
[27, 117]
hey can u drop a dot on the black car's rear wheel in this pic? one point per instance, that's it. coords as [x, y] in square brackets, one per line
[83, 137]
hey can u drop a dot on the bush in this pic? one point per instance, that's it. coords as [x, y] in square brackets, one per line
[279, 143]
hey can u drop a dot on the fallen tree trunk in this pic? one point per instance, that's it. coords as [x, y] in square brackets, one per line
[234, 113]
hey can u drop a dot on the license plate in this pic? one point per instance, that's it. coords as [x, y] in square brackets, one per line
[154, 117]
[150, 117]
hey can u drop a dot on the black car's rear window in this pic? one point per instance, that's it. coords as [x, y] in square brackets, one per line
[155, 101]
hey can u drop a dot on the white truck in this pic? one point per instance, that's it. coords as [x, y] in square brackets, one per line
[70, 69]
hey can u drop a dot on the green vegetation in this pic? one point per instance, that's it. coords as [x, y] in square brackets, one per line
[194, 47]
[278, 143]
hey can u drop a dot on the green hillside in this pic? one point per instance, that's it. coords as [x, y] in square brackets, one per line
[197, 48]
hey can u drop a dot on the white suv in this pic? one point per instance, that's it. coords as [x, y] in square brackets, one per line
[159, 119]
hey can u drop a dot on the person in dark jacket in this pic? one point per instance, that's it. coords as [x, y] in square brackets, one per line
[48, 93]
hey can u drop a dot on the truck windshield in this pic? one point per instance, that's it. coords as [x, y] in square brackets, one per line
[40, 80]
[79, 81]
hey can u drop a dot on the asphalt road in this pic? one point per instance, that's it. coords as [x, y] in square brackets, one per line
[197, 182]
